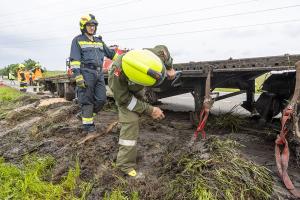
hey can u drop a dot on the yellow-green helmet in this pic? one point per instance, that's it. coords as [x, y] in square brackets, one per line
[21, 66]
[37, 65]
[163, 53]
[143, 67]
[87, 19]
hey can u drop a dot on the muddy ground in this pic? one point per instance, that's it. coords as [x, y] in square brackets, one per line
[52, 129]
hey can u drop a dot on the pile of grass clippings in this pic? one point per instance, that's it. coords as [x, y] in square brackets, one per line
[221, 174]
[227, 120]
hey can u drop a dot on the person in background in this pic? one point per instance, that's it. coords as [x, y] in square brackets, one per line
[27, 75]
[11, 77]
[23, 82]
[38, 71]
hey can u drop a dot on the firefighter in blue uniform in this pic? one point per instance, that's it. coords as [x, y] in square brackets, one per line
[87, 54]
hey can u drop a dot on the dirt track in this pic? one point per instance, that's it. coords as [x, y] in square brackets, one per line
[53, 129]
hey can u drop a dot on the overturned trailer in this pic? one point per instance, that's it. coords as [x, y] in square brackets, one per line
[239, 74]
[231, 73]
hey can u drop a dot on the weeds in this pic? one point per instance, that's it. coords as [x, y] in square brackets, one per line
[8, 94]
[224, 175]
[10, 99]
[27, 181]
[227, 121]
[118, 194]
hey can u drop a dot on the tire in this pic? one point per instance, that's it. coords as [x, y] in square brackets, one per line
[60, 90]
[70, 93]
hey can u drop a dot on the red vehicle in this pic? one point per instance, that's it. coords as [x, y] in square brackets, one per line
[107, 62]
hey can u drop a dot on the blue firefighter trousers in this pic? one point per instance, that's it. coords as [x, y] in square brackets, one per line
[93, 97]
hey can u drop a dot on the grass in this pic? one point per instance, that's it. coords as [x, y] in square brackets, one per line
[27, 181]
[224, 174]
[8, 94]
[53, 73]
[119, 194]
[9, 100]
[227, 121]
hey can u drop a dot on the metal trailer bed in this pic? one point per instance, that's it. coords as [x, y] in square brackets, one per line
[231, 73]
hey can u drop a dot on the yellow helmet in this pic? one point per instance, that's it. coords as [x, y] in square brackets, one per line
[21, 66]
[37, 65]
[143, 67]
[163, 53]
[87, 19]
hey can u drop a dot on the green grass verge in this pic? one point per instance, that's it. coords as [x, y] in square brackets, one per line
[27, 181]
[53, 73]
[9, 100]
[8, 94]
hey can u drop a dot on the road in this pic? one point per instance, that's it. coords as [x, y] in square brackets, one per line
[16, 84]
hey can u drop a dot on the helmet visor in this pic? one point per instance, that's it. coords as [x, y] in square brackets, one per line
[92, 21]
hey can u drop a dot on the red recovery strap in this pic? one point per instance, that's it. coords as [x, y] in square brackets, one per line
[207, 104]
[282, 158]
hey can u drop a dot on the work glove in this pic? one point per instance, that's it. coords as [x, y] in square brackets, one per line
[80, 81]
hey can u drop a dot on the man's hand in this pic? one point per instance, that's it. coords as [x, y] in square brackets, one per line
[171, 74]
[80, 81]
[157, 113]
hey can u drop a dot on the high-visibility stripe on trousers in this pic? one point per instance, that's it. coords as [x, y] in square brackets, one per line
[87, 120]
[126, 158]
[23, 86]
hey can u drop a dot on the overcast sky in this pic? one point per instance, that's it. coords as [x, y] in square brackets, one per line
[194, 30]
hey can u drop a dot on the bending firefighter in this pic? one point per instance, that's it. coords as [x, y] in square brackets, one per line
[87, 54]
[128, 76]
[22, 78]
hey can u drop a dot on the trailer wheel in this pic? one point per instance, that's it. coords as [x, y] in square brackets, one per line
[60, 90]
[51, 87]
[69, 92]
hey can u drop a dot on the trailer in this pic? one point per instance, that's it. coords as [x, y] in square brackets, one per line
[232, 73]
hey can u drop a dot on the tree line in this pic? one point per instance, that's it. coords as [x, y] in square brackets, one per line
[29, 65]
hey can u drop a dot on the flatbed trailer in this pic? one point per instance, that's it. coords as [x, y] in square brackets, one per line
[232, 73]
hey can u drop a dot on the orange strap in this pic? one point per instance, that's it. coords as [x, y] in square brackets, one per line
[282, 157]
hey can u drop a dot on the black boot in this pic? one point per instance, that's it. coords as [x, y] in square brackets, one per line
[89, 128]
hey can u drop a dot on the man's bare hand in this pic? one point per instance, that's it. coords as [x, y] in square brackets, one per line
[171, 74]
[157, 113]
